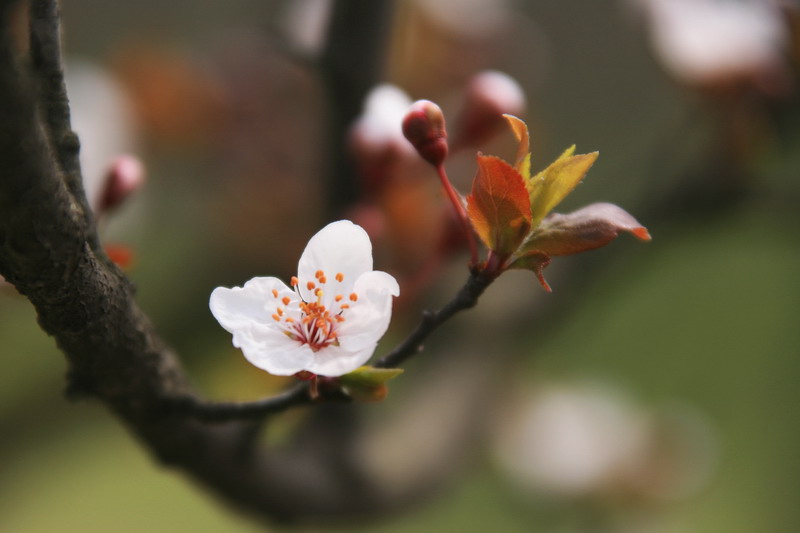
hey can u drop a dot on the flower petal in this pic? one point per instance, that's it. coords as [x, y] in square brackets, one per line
[246, 312]
[337, 360]
[339, 248]
[268, 348]
[240, 307]
[368, 318]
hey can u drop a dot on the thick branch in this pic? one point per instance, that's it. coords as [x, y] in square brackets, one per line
[114, 353]
[45, 46]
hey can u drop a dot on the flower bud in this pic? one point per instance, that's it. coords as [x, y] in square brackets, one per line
[489, 96]
[124, 176]
[424, 128]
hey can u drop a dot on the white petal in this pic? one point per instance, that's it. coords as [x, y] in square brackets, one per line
[336, 360]
[268, 348]
[339, 248]
[367, 320]
[241, 307]
[246, 312]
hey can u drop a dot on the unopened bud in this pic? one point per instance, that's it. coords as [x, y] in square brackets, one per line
[424, 128]
[489, 96]
[124, 176]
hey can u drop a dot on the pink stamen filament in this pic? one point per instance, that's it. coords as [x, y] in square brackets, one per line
[316, 325]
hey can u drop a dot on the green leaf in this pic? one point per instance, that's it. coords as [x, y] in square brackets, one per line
[367, 383]
[554, 183]
[369, 376]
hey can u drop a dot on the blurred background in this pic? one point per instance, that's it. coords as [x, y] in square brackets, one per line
[653, 391]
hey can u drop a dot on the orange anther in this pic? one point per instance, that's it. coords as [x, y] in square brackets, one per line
[339, 318]
[310, 285]
[288, 319]
[339, 277]
[294, 281]
[276, 317]
[338, 297]
[275, 293]
[353, 297]
[318, 274]
[323, 279]
[286, 300]
[280, 312]
[344, 306]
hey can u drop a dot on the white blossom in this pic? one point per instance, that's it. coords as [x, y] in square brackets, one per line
[703, 41]
[327, 322]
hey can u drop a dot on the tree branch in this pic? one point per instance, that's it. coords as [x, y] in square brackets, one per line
[46, 59]
[466, 298]
[114, 353]
[299, 395]
[350, 65]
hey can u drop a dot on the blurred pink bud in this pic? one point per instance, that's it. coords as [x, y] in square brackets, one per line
[490, 95]
[714, 42]
[376, 138]
[424, 128]
[124, 176]
[369, 217]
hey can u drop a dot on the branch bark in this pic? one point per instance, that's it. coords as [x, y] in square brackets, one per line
[49, 251]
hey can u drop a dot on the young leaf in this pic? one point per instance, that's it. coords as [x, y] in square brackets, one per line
[499, 207]
[367, 383]
[585, 229]
[522, 162]
[369, 376]
[536, 262]
[551, 185]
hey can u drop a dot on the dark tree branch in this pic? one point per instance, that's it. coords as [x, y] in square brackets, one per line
[46, 59]
[351, 66]
[466, 298]
[114, 353]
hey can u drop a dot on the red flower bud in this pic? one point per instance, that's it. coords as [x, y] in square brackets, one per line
[489, 96]
[125, 175]
[424, 128]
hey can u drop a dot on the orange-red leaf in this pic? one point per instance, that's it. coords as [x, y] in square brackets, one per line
[520, 130]
[499, 206]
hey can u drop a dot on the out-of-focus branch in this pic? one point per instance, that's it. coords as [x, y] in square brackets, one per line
[351, 66]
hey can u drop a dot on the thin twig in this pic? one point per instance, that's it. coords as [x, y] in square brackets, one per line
[299, 395]
[466, 298]
[227, 411]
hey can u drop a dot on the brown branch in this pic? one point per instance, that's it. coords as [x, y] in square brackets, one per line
[114, 353]
[48, 74]
[351, 65]
[299, 395]
[466, 298]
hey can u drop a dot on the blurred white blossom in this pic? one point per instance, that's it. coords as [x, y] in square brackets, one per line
[577, 441]
[102, 116]
[708, 41]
